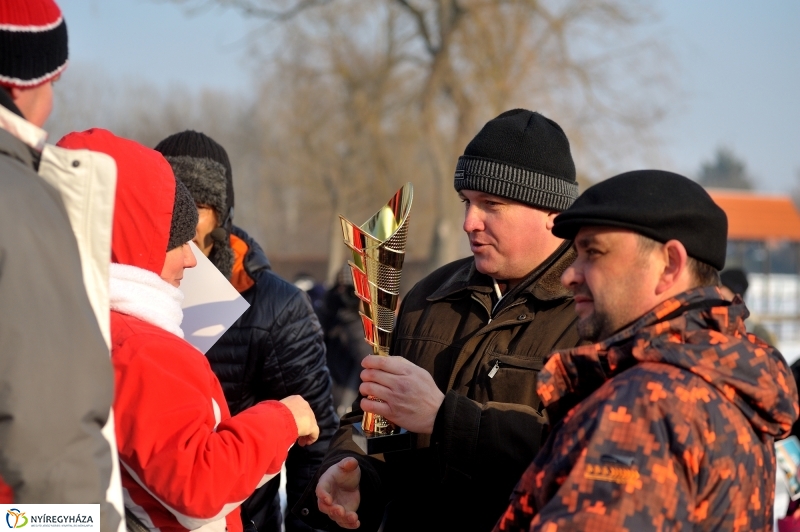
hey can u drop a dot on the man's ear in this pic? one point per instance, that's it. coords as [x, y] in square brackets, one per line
[551, 216]
[15, 93]
[675, 272]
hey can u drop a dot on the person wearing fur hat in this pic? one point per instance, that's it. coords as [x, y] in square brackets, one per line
[186, 462]
[56, 380]
[276, 347]
[470, 340]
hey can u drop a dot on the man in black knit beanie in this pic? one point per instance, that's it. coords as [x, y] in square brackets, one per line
[276, 348]
[470, 340]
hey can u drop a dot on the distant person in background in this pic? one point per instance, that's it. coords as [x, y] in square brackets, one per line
[795, 367]
[734, 281]
[56, 380]
[276, 347]
[344, 339]
[309, 285]
[791, 521]
[187, 462]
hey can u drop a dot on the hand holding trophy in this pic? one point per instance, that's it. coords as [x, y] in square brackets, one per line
[378, 247]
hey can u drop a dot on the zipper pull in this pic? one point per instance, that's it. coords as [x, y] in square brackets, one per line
[494, 370]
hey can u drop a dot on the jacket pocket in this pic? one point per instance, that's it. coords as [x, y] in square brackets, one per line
[507, 361]
[512, 379]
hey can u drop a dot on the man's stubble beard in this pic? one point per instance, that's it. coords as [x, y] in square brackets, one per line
[594, 327]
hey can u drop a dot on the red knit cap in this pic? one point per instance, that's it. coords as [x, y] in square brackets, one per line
[33, 42]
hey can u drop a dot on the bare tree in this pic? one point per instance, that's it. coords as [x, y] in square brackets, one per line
[725, 171]
[431, 72]
[141, 111]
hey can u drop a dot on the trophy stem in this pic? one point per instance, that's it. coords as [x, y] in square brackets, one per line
[375, 425]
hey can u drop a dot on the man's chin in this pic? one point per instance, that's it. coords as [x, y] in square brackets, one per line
[485, 267]
[591, 329]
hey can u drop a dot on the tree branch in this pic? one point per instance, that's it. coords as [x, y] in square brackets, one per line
[423, 28]
[258, 10]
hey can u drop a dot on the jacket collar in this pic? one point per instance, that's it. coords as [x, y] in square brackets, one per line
[11, 146]
[249, 259]
[543, 283]
[32, 135]
[572, 375]
[696, 331]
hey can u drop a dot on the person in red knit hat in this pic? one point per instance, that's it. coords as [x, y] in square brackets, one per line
[186, 463]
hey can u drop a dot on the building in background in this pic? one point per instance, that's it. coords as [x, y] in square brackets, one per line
[764, 241]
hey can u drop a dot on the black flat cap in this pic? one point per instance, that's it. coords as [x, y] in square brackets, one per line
[657, 204]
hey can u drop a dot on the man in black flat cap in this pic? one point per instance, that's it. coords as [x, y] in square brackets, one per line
[470, 340]
[668, 421]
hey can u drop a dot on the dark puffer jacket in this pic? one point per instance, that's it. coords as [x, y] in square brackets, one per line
[275, 349]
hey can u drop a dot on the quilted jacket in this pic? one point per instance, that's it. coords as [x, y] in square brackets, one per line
[273, 350]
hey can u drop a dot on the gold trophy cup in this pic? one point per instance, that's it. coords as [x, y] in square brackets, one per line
[378, 247]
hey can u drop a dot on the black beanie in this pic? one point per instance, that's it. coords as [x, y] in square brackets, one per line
[184, 217]
[523, 156]
[735, 279]
[195, 144]
[657, 204]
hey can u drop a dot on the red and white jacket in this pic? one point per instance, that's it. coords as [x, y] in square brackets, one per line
[185, 462]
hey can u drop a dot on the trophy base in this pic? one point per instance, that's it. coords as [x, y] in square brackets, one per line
[400, 441]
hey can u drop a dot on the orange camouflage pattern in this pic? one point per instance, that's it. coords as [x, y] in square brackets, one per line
[667, 425]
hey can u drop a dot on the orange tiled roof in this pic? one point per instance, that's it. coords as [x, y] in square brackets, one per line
[753, 216]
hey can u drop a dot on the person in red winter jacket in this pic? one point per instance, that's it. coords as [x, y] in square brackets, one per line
[186, 463]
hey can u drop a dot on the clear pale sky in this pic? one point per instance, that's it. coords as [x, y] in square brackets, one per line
[738, 69]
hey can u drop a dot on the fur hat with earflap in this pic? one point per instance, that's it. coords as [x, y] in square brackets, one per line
[203, 166]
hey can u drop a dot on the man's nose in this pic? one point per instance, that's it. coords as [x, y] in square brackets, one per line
[472, 220]
[571, 276]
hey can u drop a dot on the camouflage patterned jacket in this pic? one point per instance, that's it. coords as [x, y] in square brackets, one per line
[667, 425]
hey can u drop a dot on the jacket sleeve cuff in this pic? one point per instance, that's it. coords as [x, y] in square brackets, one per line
[370, 509]
[455, 435]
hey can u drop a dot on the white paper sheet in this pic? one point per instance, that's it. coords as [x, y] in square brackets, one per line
[211, 304]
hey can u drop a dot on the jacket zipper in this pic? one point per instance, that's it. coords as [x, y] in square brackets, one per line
[498, 362]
